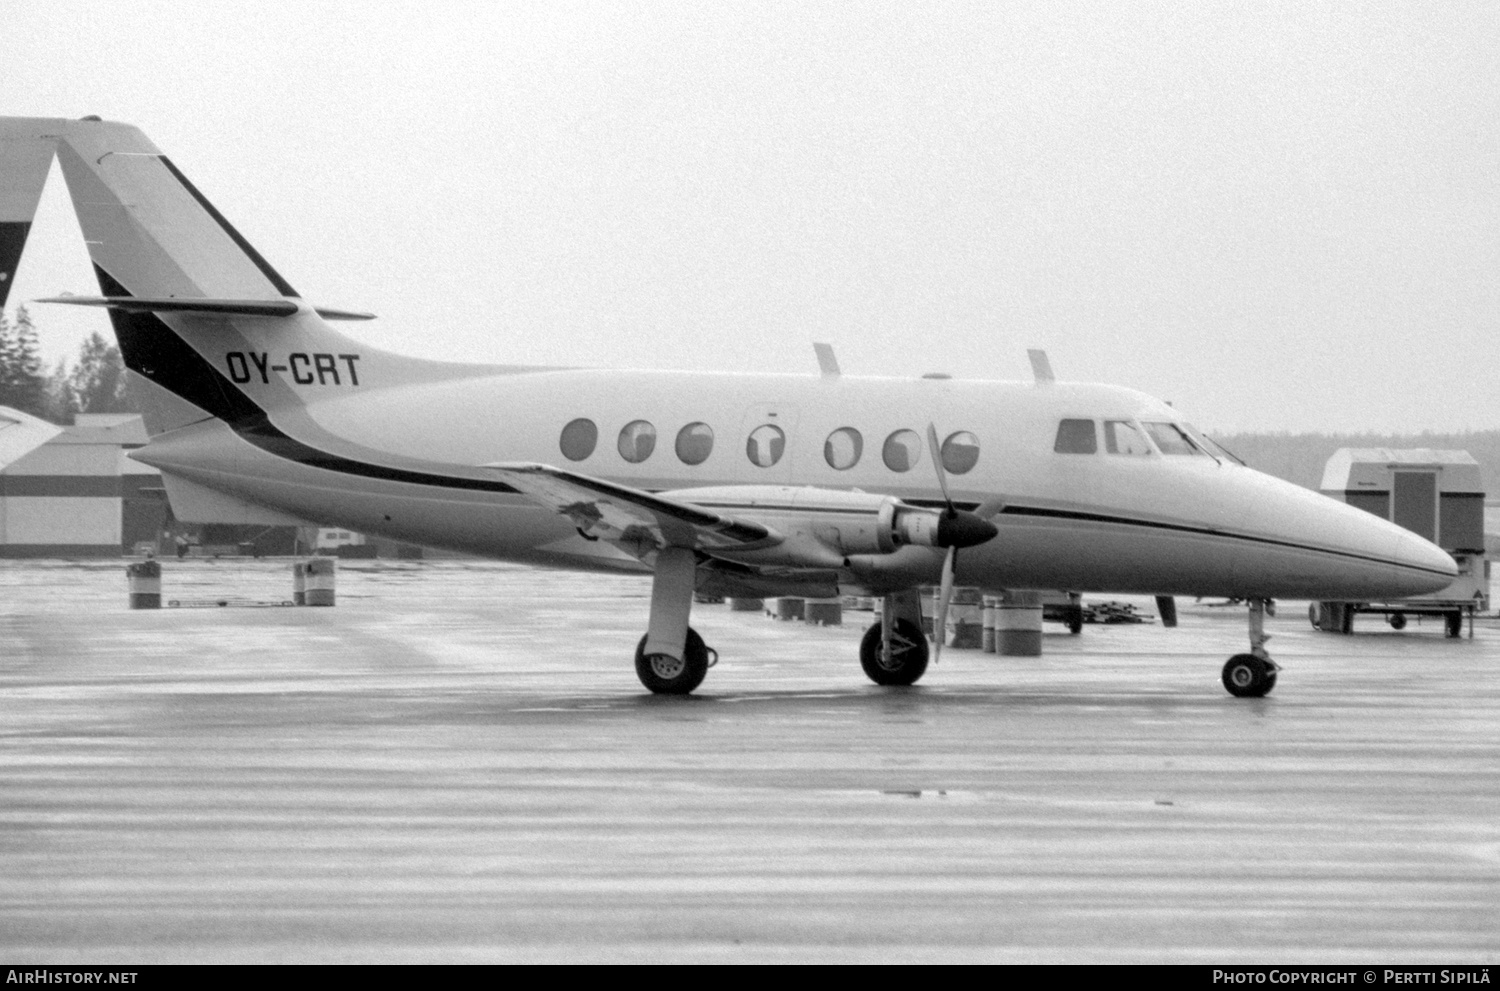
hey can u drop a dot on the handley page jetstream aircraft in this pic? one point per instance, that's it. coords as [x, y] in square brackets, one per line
[733, 484]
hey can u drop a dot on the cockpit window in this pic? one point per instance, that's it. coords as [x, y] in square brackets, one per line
[1172, 439]
[1123, 437]
[1076, 437]
[1213, 447]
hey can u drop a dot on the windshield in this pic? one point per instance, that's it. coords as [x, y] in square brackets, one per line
[1172, 439]
[1122, 437]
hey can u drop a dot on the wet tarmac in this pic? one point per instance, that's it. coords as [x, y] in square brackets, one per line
[457, 764]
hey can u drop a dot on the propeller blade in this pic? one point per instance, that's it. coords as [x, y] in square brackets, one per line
[937, 463]
[945, 596]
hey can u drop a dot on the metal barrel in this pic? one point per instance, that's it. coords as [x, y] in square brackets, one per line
[823, 612]
[965, 619]
[789, 608]
[320, 579]
[144, 579]
[1018, 624]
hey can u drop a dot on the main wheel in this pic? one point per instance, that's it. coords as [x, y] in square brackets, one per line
[666, 675]
[908, 660]
[1248, 677]
[1397, 620]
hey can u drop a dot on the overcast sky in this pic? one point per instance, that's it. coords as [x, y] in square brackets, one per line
[1278, 216]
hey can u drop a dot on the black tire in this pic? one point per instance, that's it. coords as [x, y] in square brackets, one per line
[1453, 623]
[908, 660]
[1248, 677]
[668, 676]
[1075, 620]
[1397, 620]
[1315, 613]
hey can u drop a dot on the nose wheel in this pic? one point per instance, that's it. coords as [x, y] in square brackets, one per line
[1248, 677]
[1252, 675]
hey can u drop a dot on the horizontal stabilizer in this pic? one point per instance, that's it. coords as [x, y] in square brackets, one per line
[206, 307]
[22, 433]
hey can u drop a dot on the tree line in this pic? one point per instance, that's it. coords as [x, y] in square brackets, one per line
[94, 383]
[1300, 458]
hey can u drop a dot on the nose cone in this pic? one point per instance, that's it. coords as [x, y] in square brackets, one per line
[960, 529]
[1421, 555]
[1401, 563]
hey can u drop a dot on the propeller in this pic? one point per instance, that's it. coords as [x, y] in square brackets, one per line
[950, 560]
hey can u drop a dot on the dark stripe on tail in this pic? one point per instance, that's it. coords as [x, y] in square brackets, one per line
[282, 286]
[12, 240]
[154, 351]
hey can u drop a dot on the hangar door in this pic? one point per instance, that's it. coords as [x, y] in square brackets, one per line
[1414, 502]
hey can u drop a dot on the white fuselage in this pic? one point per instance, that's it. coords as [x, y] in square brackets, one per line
[1152, 522]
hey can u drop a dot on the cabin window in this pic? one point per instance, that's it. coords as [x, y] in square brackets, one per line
[960, 452]
[902, 450]
[695, 442]
[765, 445]
[578, 439]
[1170, 439]
[843, 448]
[637, 441]
[1076, 437]
[1124, 437]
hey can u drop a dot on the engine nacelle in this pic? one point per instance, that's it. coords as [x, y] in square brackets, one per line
[822, 527]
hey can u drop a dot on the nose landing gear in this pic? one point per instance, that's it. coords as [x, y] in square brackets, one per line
[1252, 675]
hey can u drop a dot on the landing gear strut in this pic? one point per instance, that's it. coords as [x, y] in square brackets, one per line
[671, 658]
[1252, 675]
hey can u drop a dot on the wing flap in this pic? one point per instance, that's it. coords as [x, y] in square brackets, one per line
[637, 521]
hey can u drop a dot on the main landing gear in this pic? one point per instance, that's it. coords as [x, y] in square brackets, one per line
[668, 675]
[894, 651]
[671, 658]
[1252, 675]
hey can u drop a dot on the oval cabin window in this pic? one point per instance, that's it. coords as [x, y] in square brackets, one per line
[637, 441]
[765, 445]
[902, 450]
[842, 448]
[960, 452]
[578, 439]
[695, 442]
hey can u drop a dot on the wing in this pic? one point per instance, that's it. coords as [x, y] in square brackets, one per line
[638, 522]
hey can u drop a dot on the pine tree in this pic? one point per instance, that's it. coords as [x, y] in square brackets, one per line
[30, 383]
[61, 403]
[22, 385]
[98, 380]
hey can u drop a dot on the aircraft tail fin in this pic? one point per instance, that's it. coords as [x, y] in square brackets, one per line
[144, 222]
[23, 173]
[206, 325]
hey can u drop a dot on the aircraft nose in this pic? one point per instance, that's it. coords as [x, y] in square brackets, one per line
[1416, 552]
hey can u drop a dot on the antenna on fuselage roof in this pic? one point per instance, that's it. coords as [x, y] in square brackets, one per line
[827, 363]
[1041, 368]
